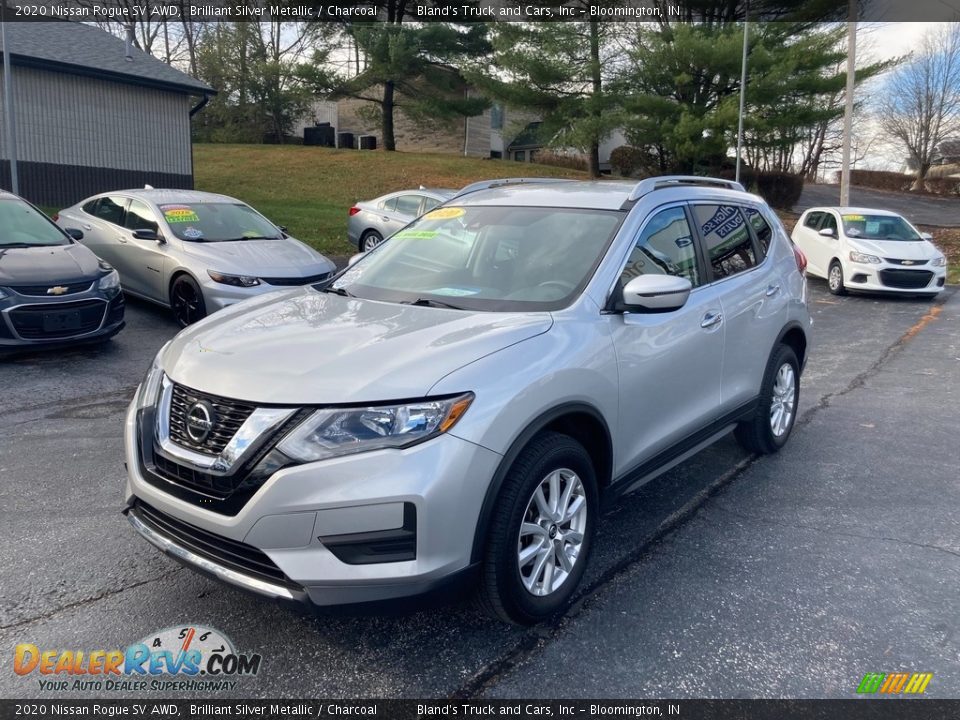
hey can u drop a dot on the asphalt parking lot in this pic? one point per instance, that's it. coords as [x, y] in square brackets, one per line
[730, 576]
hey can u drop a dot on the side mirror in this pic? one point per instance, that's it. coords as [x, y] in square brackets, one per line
[923, 236]
[75, 233]
[145, 234]
[827, 232]
[656, 293]
[354, 258]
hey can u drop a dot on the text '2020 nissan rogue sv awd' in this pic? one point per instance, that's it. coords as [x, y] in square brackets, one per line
[453, 404]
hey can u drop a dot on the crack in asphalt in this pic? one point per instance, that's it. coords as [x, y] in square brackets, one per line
[66, 409]
[89, 600]
[538, 636]
[838, 533]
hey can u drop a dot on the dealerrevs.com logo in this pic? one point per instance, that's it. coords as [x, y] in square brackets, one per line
[186, 658]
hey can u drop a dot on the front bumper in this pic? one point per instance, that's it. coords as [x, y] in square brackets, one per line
[893, 278]
[321, 533]
[217, 296]
[93, 316]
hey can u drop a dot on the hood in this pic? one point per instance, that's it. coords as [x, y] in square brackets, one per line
[40, 265]
[302, 346]
[896, 249]
[284, 257]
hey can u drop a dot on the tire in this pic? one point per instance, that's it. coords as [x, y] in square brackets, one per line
[511, 588]
[369, 240]
[186, 301]
[835, 279]
[768, 431]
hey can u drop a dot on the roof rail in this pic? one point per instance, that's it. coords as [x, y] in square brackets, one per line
[487, 184]
[645, 187]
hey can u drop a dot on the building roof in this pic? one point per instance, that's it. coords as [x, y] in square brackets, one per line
[72, 47]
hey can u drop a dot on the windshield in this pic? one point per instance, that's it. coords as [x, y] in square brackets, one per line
[217, 222]
[486, 258]
[23, 226]
[878, 227]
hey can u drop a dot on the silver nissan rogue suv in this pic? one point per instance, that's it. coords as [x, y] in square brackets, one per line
[453, 404]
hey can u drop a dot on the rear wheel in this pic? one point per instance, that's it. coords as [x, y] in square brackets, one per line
[370, 240]
[186, 301]
[776, 412]
[541, 531]
[835, 279]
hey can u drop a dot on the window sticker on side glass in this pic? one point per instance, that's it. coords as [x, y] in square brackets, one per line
[179, 214]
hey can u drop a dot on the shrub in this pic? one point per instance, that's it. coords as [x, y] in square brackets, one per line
[570, 162]
[943, 185]
[780, 189]
[626, 160]
[880, 180]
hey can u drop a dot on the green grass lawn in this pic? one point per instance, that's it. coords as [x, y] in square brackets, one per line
[309, 189]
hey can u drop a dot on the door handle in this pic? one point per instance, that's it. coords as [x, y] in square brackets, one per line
[385, 218]
[122, 239]
[87, 227]
[772, 290]
[711, 319]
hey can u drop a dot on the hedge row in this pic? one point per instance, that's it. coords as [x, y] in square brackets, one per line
[899, 182]
[780, 189]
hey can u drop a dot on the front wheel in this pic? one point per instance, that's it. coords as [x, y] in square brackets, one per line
[776, 412]
[835, 279]
[186, 301]
[541, 531]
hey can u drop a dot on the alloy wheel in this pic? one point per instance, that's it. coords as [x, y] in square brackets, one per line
[784, 400]
[186, 304]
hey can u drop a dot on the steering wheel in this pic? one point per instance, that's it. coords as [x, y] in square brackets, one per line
[567, 287]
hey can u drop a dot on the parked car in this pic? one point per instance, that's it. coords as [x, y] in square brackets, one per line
[442, 412]
[53, 291]
[195, 252]
[373, 220]
[867, 249]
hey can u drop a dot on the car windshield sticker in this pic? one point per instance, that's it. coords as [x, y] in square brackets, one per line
[179, 214]
[454, 292]
[445, 213]
[853, 232]
[192, 233]
[872, 228]
[853, 218]
[416, 234]
[724, 221]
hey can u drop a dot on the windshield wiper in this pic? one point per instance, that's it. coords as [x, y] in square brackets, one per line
[7, 246]
[253, 237]
[337, 291]
[427, 302]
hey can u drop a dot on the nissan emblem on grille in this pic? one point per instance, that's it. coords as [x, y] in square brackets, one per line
[200, 420]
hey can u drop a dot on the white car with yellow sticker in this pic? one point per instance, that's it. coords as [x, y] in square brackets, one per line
[869, 250]
[195, 252]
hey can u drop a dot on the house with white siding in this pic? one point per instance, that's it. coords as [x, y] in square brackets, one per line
[92, 114]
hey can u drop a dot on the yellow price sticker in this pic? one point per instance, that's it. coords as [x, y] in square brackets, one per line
[853, 218]
[445, 213]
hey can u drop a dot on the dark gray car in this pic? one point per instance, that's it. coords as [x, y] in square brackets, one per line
[53, 290]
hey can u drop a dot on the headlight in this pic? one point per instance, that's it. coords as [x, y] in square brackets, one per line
[235, 280]
[344, 431]
[109, 281]
[859, 257]
[937, 262]
[150, 385]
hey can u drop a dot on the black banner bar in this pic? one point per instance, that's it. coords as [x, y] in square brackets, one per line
[856, 709]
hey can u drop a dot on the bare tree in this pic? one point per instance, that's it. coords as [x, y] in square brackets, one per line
[920, 106]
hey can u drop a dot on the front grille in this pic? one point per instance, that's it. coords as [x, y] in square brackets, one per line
[41, 290]
[906, 279]
[235, 555]
[291, 281]
[32, 321]
[230, 415]
[896, 261]
[216, 486]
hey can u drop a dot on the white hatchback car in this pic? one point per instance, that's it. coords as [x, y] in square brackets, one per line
[873, 250]
[195, 252]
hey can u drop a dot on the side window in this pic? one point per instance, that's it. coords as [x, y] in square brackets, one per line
[829, 221]
[761, 228]
[430, 203]
[409, 204]
[665, 247]
[813, 220]
[140, 217]
[389, 205]
[91, 207]
[728, 243]
[111, 209]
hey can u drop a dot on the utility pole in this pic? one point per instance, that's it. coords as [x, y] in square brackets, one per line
[743, 86]
[9, 118]
[848, 111]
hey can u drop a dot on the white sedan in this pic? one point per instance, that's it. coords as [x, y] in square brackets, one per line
[871, 250]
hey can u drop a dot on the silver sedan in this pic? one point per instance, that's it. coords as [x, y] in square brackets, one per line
[194, 252]
[371, 221]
